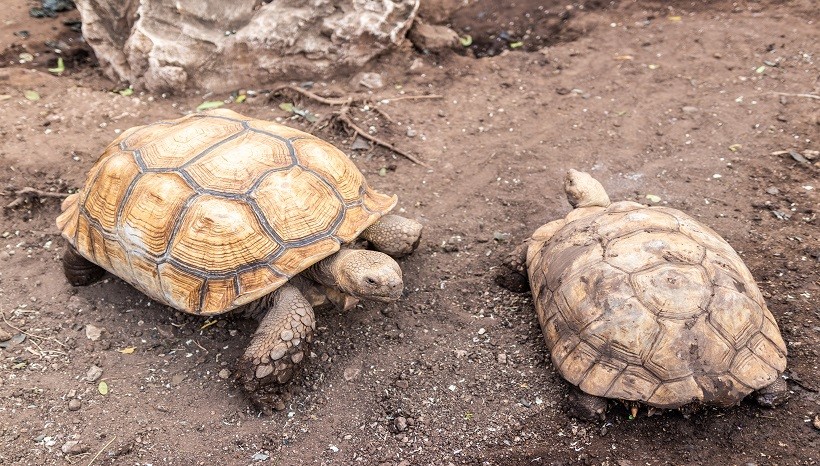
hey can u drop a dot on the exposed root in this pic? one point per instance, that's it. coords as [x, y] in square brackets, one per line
[343, 114]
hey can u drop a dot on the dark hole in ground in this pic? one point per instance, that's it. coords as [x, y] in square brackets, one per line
[521, 25]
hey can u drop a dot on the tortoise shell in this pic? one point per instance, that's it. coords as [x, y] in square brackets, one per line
[214, 210]
[646, 304]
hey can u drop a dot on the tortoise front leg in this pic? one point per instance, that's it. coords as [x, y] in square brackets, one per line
[394, 235]
[78, 270]
[280, 342]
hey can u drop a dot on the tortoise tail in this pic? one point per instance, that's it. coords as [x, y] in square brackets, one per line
[67, 221]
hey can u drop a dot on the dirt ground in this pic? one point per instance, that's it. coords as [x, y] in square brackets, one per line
[710, 106]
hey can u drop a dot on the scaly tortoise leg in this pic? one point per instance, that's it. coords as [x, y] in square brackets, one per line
[280, 343]
[394, 235]
[78, 270]
[585, 406]
[773, 394]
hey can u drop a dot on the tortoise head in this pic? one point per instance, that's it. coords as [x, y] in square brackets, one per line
[369, 275]
[584, 191]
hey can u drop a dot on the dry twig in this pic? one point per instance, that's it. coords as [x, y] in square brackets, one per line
[29, 194]
[94, 458]
[30, 335]
[343, 114]
[808, 96]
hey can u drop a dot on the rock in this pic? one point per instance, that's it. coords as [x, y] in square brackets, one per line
[73, 447]
[74, 404]
[170, 45]
[4, 335]
[400, 423]
[689, 109]
[502, 358]
[92, 332]
[402, 384]
[816, 422]
[370, 80]
[94, 373]
[224, 374]
[430, 38]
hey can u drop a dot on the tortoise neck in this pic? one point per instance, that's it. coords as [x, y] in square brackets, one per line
[326, 270]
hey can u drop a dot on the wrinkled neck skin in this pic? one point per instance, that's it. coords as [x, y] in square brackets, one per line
[326, 270]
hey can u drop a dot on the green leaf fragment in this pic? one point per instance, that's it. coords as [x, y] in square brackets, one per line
[60, 67]
[241, 98]
[383, 171]
[103, 388]
[760, 69]
[126, 92]
[209, 105]
[286, 106]
[653, 198]
[515, 45]
[466, 41]
[32, 95]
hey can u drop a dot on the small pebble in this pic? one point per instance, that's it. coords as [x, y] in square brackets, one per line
[73, 447]
[816, 422]
[224, 374]
[402, 384]
[482, 331]
[772, 190]
[94, 373]
[74, 404]
[92, 332]
[502, 358]
[4, 335]
[400, 423]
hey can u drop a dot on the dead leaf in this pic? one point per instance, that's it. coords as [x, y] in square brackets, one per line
[128, 350]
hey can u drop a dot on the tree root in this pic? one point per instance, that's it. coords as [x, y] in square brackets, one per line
[343, 114]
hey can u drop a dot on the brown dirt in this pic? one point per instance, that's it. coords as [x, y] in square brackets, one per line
[648, 104]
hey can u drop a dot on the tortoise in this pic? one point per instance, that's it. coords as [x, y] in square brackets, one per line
[648, 306]
[216, 212]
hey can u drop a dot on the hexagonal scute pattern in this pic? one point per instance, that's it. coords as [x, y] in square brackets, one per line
[644, 303]
[213, 210]
[673, 291]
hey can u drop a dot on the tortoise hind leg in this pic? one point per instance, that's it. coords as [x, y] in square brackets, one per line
[78, 270]
[774, 394]
[394, 235]
[585, 406]
[280, 342]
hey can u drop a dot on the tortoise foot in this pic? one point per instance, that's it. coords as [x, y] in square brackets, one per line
[774, 394]
[394, 235]
[585, 406]
[78, 270]
[280, 343]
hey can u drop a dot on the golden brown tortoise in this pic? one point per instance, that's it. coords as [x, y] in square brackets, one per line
[218, 212]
